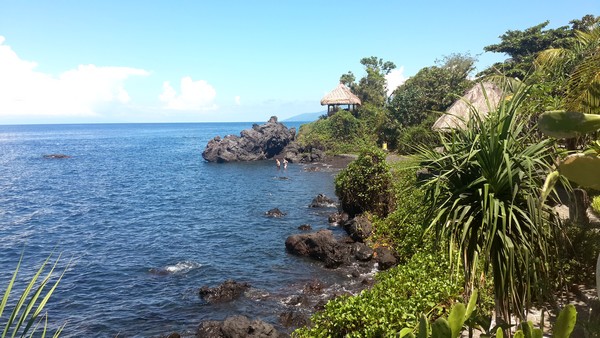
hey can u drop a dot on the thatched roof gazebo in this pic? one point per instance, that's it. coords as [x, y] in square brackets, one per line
[481, 98]
[340, 96]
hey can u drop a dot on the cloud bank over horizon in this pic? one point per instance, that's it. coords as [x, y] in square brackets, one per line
[78, 92]
[194, 95]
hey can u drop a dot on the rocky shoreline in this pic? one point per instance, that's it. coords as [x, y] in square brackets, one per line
[348, 253]
[342, 248]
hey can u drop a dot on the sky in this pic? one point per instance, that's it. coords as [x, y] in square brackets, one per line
[224, 61]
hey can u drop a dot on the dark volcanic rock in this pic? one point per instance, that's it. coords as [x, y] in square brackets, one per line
[359, 228]
[275, 212]
[305, 227]
[293, 319]
[320, 245]
[338, 218]
[259, 143]
[295, 153]
[237, 327]
[322, 201]
[225, 292]
[56, 156]
[385, 258]
[362, 252]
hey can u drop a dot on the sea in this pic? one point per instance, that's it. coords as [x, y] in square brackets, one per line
[141, 222]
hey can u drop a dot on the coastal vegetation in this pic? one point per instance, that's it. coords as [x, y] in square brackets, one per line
[482, 220]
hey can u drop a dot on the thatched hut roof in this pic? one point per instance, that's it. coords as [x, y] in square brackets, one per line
[340, 95]
[459, 112]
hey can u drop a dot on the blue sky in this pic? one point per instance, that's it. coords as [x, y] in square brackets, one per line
[209, 61]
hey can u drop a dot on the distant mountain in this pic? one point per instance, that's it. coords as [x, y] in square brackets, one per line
[306, 117]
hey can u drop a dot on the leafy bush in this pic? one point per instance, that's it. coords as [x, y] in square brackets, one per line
[340, 133]
[403, 228]
[400, 295]
[366, 184]
[411, 138]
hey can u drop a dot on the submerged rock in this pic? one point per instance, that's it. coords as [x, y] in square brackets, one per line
[275, 212]
[259, 143]
[305, 227]
[225, 292]
[56, 156]
[338, 218]
[322, 201]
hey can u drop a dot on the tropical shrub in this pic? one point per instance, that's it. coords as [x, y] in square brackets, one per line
[415, 137]
[397, 299]
[403, 228]
[366, 184]
[339, 133]
[485, 202]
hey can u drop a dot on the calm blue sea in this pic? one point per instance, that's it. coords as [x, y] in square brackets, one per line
[144, 222]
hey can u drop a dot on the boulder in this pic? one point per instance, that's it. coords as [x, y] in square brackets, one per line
[362, 252]
[225, 292]
[295, 153]
[322, 201]
[338, 218]
[293, 318]
[258, 143]
[385, 258]
[320, 245]
[275, 212]
[359, 228]
[237, 327]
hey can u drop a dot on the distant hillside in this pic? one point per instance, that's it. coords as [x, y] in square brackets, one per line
[306, 117]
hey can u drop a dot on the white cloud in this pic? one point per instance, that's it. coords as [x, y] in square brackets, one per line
[76, 92]
[237, 100]
[395, 79]
[195, 95]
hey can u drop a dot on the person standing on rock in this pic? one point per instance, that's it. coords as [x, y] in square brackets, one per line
[278, 163]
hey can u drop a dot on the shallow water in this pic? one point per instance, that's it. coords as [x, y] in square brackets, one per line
[145, 222]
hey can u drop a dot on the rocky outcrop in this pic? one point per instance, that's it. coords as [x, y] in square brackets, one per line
[295, 153]
[338, 218]
[320, 245]
[259, 143]
[322, 201]
[225, 292]
[237, 327]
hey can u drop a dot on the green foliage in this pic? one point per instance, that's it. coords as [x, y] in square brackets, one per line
[403, 228]
[522, 47]
[394, 302]
[340, 133]
[415, 137]
[459, 314]
[431, 89]
[485, 201]
[26, 315]
[596, 204]
[366, 184]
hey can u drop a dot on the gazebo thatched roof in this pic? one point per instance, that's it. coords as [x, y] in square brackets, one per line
[459, 112]
[340, 95]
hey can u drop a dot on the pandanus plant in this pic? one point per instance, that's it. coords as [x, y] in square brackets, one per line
[582, 168]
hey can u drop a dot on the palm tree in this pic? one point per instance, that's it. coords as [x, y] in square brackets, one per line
[580, 66]
[485, 203]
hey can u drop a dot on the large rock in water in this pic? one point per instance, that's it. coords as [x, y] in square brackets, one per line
[259, 143]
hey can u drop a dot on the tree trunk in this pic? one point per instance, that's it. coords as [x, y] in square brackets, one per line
[578, 207]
